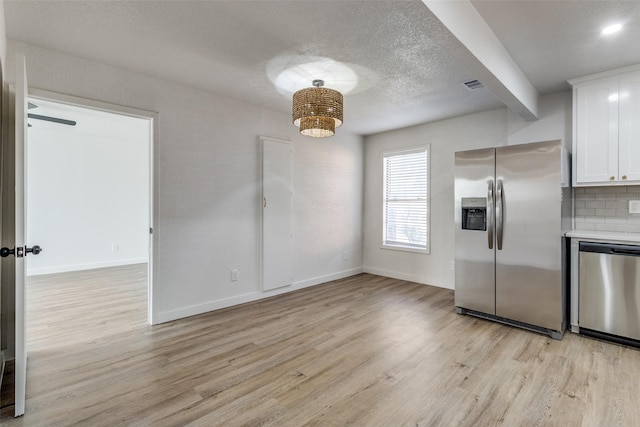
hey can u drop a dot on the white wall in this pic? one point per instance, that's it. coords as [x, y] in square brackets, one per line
[88, 189]
[208, 185]
[481, 130]
[485, 129]
[555, 121]
[327, 209]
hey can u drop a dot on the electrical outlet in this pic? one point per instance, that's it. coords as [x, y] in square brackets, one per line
[115, 247]
[346, 255]
[634, 206]
[452, 265]
[235, 275]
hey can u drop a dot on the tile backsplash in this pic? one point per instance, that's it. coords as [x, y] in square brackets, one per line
[606, 209]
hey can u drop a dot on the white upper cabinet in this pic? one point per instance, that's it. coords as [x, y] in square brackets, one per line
[606, 128]
[629, 128]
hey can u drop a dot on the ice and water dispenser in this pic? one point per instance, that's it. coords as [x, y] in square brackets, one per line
[474, 213]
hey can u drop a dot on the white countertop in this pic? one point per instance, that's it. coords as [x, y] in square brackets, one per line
[604, 235]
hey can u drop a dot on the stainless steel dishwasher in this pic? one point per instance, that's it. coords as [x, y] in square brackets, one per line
[610, 291]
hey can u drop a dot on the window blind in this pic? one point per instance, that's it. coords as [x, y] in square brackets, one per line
[405, 211]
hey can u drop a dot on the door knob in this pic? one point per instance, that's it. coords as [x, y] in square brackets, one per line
[5, 252]
[34, 250]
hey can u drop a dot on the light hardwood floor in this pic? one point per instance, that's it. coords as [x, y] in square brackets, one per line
[365, 351]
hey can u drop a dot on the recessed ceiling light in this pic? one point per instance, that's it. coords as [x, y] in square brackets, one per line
[611, 29]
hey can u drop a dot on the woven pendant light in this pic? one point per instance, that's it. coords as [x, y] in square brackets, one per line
[317, 111]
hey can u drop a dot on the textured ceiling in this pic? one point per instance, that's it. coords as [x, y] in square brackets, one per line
[410, 68]
[553, 41]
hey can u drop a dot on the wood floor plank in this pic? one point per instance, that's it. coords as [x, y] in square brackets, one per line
[365, 351]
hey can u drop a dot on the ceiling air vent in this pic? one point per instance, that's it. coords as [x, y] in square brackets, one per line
[473, 85]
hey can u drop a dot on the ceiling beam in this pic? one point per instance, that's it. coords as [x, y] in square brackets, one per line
[496, 69]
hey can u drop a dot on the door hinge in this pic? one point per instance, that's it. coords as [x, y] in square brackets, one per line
[150, 230]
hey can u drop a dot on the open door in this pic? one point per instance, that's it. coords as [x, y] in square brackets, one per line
[20, 197]
[14, 233]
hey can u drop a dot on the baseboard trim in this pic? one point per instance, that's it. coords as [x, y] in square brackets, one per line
[206, 307]
[327, 278]
[409, 277]
[194, 310]
[87, 266]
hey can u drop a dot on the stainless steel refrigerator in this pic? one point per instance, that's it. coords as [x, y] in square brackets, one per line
[512, 208]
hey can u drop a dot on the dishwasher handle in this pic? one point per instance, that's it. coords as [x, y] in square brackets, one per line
[632, 252]
[610, 248]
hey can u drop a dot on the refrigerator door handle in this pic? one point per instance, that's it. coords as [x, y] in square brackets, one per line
[499, 214]
[490, 217]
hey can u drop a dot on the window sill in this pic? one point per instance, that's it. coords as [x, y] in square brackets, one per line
[405, 249]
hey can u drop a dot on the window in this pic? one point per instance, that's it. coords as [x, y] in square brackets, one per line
[405, 214]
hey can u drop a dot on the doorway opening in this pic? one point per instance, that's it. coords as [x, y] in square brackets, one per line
[90, 207]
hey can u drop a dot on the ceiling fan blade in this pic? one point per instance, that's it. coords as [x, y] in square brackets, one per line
[52, 119]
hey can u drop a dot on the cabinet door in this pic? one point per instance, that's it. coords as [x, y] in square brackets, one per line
[597, 133]
[629, 128]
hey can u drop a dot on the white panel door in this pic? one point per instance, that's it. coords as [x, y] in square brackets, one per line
[597, 133]
[276, 214]
[629, 128]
